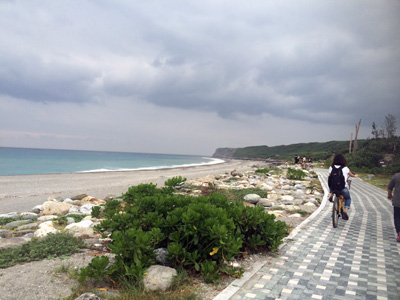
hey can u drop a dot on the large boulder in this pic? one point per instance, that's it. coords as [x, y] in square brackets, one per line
[252, 198]
[158, 278]
[45, 228]
[55, 208]
[83, 229]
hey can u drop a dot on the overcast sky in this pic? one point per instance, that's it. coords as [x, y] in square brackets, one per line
[188, 77]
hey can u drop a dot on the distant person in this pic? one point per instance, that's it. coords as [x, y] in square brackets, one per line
[395, 184]
[296, 160]
[339, 162]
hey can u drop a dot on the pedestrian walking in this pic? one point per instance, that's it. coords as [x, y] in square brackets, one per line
[395, 184]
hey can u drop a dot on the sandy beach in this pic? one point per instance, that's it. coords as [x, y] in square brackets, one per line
[22, 193]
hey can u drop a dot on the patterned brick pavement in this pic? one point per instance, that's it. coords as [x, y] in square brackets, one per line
[358, 260]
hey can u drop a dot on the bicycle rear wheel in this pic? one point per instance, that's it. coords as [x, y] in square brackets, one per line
[335, 211]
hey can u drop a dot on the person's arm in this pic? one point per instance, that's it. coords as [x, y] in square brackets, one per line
[390, 196]
[352, 175]
[390, 189]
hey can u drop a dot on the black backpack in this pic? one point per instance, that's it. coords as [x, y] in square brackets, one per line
[336, 179]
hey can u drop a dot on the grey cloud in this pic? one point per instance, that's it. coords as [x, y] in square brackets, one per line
[303, 61]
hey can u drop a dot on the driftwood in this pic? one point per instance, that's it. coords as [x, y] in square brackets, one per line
[355, 138]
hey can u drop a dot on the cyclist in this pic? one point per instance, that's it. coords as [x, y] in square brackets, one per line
[340, 161]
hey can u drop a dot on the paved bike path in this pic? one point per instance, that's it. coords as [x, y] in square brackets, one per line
[358, 260]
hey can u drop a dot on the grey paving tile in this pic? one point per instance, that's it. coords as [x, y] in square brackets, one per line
[358, 260]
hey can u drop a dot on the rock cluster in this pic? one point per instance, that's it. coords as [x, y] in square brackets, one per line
[39, 222]
[286, 197]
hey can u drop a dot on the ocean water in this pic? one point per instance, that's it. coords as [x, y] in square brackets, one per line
[26, 161]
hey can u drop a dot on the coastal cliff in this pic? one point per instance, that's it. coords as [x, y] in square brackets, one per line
[224, 152]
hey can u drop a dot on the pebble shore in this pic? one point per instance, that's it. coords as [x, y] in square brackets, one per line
[289, 200]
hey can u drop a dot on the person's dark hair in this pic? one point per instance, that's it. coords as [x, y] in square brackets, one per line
[339, 160]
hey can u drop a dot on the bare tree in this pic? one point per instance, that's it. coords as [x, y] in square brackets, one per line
[375, 132]
[355, 138]
[390, 126]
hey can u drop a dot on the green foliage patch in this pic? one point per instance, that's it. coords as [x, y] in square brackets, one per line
[295, 174]
[200, 233]
[4, 221]
[62, 220]
[263, 171]
[53, 245]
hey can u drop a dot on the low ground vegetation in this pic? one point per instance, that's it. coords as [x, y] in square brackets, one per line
[54, 245]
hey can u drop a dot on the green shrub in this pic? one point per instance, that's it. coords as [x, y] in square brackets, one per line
[296, 174]
[200, 233]
[266, 170]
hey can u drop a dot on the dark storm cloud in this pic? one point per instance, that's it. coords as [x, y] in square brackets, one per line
[308, 60]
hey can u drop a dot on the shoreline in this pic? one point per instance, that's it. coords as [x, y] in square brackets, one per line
[23, 192]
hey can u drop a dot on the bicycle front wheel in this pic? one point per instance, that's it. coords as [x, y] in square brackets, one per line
[335, 211]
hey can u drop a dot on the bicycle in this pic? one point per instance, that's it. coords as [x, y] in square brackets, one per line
[337, 207]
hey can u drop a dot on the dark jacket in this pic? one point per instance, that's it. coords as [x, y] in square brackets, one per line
[395, 184]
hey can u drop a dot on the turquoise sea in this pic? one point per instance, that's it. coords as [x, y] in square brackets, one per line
[25, 161]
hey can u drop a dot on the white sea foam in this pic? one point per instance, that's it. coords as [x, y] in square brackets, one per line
[213, 161]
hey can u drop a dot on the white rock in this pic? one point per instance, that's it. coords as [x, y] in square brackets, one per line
[300, 187]
[267, 187]
[28, 214]
[70, 220]
[309, 204]
[74, 210]
[158, 278]
[82, 229]
[55, 208]
[295, 216]
[252, 198]
[13, 214]
[265, 202]
[86, 209]
[45, 228]
[81, 224]
[81, 232]
[287, 198]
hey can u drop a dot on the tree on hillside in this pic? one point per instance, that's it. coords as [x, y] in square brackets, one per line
[386, 131]
[390, 126]
[375, 131]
